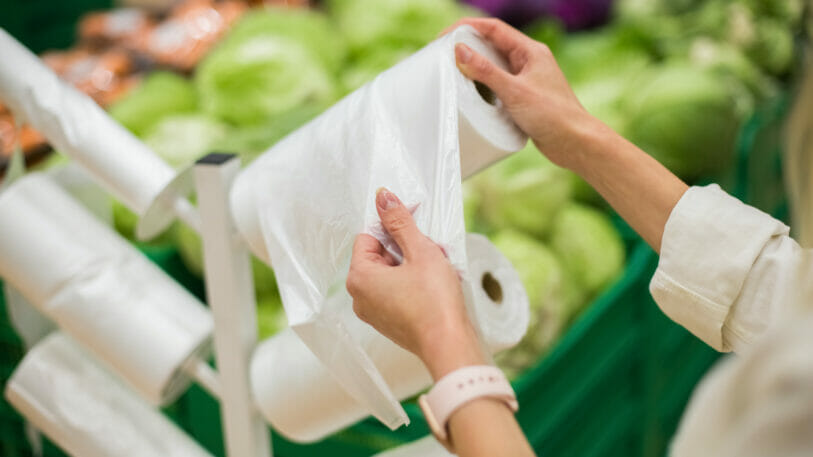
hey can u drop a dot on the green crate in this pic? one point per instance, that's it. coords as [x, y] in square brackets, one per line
[12, 442]
[759, 158]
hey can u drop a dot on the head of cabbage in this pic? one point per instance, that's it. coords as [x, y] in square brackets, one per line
[524, 192]
[272, 62]
[589, 247]
[544, 281]
[684, 116]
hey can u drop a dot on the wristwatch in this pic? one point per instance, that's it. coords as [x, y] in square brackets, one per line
[458, 388]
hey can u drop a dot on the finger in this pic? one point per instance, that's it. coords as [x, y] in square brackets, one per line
[367, 249]
[398, 222]
[505, 38]
[389, 259]
[475, 66]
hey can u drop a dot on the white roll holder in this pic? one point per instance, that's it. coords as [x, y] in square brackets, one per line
[230, 293]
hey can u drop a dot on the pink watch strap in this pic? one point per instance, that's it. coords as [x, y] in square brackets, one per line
[460, 387]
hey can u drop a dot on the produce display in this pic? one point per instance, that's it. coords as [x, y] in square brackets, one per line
[565, 250]
[678, 78]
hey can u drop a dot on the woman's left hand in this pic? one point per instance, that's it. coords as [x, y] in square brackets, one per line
[417, 304]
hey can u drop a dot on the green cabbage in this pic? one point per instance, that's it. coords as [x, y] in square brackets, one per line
[393, 24]
[544, 280]
[600, 65]
[310, 27]
[273, 62]
[181, 140]
[590, 248]
[251, 140]
[381, 33]
[161, 94]
[271, 316]
[524, 192]
[124, 220]
[608, 52]
[539, 269]
[684, 116]
[366, 67]
[772, 47]
[191, 251]
[731, 63]
[471, 207]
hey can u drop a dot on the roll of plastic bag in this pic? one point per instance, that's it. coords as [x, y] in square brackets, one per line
[425, 447]
[86, 410]
[416, 129]
[100, 289]
[301, 398]
[75, 125]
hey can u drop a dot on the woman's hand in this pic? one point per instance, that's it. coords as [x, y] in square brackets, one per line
[534, 92]
[539, 99]
[418, 304]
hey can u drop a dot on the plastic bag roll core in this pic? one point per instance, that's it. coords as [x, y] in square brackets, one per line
[100, 289]
[417, 129]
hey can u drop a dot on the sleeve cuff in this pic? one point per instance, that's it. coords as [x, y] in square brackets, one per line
[710, 243]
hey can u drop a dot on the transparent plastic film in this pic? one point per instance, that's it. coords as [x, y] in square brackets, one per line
[301, 204]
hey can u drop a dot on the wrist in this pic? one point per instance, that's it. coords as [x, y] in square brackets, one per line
[590, 143]
[453, 347]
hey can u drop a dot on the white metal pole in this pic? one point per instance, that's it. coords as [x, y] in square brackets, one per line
[230, 293]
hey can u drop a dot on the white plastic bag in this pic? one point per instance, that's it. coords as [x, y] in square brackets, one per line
[301, 204]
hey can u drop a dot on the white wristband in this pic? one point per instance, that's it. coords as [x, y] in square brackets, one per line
[458, 388]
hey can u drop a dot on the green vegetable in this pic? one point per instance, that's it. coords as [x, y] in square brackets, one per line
[393, 24]
[544, 280]
[548, 31]
[271, 316]
[684, 116]
[381, 33]
[125, 222]
[772, 47]
[471, 207]
[273, 62]
[608, 52]
[365, 67]
[251, 140]
[524, 192]
[588, 245]
[731, 63]
[160, 95]
[600, 65]
[310, 27]
[191, 251]
[539, 270]
[181, 140]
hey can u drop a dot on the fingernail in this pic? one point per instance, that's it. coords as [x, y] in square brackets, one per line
[463, 53]
[385, 199]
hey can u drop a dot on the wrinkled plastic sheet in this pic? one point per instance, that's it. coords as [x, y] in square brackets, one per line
[414, 129]
[87, 411]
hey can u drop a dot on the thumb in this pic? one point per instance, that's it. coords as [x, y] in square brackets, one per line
[398, 222]
[476, 67]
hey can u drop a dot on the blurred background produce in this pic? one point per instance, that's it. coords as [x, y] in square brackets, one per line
[678, 78]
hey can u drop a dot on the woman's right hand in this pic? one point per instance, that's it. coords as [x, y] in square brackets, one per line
[535, 91]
